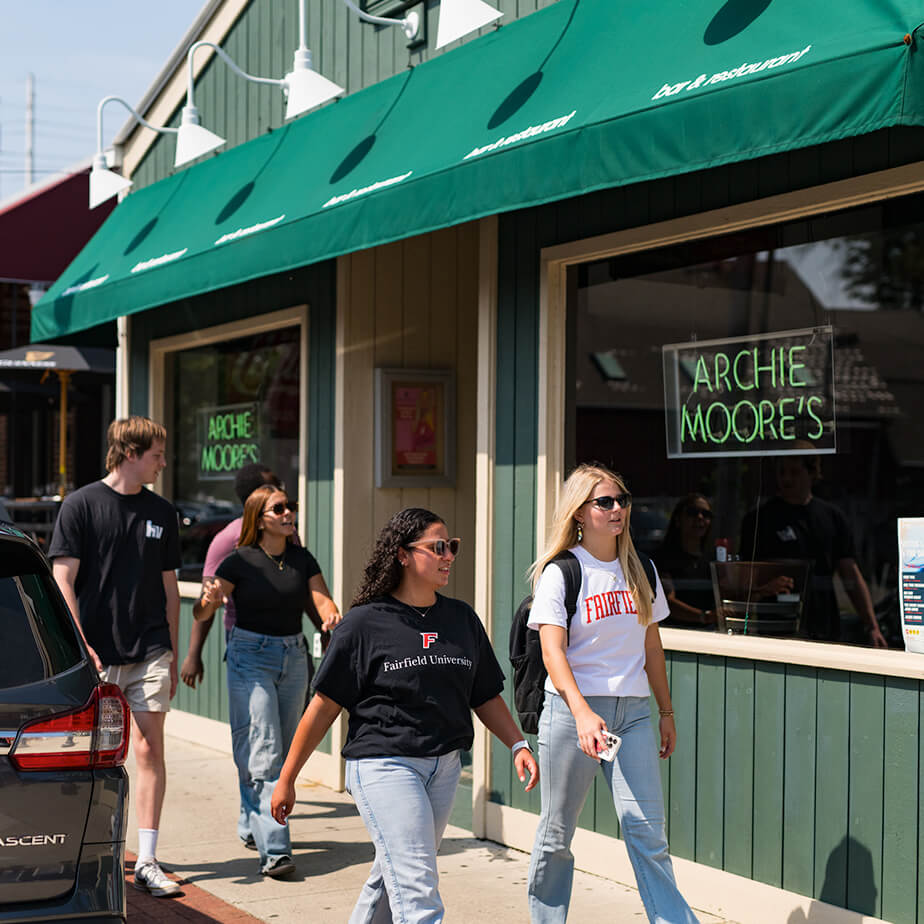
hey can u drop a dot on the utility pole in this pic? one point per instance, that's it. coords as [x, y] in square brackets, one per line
[30, 127]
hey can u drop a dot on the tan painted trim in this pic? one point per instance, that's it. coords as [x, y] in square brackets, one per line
[216, 735]
[123, 360]
[157, 355]
[550, 472]
[873, 187]
[730, 897]
[796, 651]
[553, 346]
[484, 486]
[338, 730]
[173, 90]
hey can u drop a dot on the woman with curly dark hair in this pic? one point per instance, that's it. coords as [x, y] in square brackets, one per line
[410, 666]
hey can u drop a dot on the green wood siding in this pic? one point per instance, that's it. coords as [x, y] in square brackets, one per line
[262, 42]
[804, 779]
[315, 286]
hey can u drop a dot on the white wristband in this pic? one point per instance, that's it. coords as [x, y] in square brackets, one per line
[522, 743]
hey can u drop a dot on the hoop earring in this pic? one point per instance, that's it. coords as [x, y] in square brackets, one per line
[580, 532]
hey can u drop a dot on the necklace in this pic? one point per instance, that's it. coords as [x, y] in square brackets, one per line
[421, 613]
[280, 563]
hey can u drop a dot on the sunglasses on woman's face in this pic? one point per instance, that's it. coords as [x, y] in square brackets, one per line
[280, 507]
[438, 546]
[694, 512]
[607, 502]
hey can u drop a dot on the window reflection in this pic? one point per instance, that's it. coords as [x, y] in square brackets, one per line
[233, 403]
[860, 272]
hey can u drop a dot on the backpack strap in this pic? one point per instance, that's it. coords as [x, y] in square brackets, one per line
[570, 568]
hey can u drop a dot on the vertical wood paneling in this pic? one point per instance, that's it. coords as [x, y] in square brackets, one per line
[902, 794]
[739, 767]
[864, 847]
[769, 710]
[682, 802]
[832, 757]
[800, 776]
[710, 761]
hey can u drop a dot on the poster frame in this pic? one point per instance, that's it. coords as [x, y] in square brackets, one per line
[386, 475]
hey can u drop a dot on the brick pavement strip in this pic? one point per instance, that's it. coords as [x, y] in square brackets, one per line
[191, 905]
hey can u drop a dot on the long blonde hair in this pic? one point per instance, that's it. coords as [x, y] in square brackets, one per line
[577, 491]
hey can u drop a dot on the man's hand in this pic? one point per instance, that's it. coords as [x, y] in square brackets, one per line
[876, 638]
[94, 657]
[192, 670]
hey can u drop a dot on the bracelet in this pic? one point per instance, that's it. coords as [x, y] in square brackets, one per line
[666, 713]
[522, 743]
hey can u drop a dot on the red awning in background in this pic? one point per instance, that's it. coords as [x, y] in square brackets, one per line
[46, 226]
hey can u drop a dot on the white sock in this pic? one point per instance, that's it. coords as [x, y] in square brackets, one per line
[147, 844]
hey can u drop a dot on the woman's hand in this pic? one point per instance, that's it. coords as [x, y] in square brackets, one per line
[525, 762]
[668, 736]
[590, 729]
[283, 800]
[211, 593]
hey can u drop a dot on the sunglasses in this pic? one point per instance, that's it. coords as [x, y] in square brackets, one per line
[694, 512]
[607, 502]
[281, 507]
[438, 546]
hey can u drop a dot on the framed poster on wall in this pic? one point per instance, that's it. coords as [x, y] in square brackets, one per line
[415, 428]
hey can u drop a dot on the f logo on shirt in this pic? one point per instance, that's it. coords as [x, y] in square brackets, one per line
[429, 638]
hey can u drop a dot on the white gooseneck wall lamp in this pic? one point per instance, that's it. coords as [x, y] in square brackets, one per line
[105, 183]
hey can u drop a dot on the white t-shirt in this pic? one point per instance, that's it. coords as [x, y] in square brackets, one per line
[607, 647]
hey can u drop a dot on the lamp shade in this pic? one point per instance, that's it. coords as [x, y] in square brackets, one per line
[306, 88]
[192, 139]
[104, 184]
[459, 17]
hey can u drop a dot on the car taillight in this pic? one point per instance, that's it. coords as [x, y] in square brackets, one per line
[96, 735]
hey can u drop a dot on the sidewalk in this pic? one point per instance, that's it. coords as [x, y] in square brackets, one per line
[479, 880]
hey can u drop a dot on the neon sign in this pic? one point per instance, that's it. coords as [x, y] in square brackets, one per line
[229, 437]
[770, 394]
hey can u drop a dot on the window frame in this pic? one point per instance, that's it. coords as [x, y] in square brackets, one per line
[159, 350]
[553, 365]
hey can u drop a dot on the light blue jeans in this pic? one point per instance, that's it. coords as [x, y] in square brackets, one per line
[405, 803]
[267, 682]
[565, 777]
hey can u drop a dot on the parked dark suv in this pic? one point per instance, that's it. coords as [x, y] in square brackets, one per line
[63, 740]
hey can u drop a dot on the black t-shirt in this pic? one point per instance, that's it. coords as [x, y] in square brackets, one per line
[268, 600]
[124, 542]
[409, 681]
[816, 531]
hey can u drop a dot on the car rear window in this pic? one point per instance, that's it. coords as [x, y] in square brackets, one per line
[39, 639]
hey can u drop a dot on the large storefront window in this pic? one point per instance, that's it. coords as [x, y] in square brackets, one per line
[806, 509]
[230, 403]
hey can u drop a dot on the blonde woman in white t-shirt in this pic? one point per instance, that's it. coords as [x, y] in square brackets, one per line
[599, 679]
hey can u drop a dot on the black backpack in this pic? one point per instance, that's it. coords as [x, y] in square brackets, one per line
[529, 671]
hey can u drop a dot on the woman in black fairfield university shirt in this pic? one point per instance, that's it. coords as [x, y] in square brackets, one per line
[410, 666]
[272, 582]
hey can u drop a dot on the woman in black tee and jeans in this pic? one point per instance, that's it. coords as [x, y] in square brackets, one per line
[272, 582]
[409, 665]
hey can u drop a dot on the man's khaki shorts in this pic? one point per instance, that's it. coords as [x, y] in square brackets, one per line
[146, 685]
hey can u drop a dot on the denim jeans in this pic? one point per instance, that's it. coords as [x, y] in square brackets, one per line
[405, 803]
[566, 775]
[267, 680]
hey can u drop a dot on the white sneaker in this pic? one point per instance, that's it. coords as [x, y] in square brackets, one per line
[149, 877]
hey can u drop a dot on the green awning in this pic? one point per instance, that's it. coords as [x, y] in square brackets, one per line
[579, 96]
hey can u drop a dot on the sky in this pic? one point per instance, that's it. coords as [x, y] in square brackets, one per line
[78, 53]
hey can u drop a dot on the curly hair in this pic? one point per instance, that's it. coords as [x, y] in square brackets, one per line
[383, 571]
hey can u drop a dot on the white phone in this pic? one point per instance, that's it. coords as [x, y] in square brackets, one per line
[612, 746]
